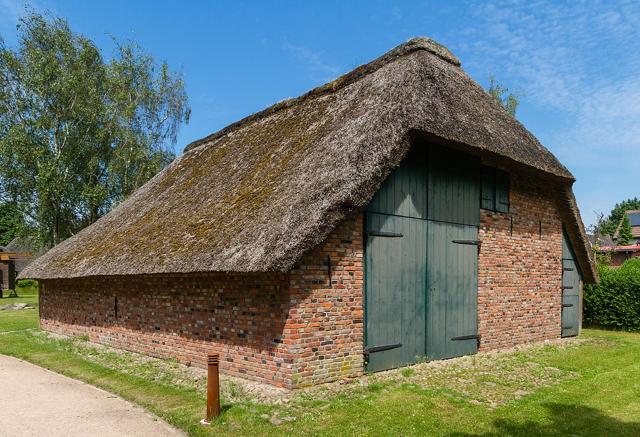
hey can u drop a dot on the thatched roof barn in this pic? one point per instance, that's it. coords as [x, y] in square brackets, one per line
[263, 194]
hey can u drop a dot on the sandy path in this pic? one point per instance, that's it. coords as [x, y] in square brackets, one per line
[37, 402]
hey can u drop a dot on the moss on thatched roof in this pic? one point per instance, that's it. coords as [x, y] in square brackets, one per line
[260, 193]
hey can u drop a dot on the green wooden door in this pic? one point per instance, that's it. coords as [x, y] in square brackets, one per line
[571, 286]
[395, 297]
[421, 260]
[452, 254]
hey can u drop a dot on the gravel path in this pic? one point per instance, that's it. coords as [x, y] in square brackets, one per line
[37, 402]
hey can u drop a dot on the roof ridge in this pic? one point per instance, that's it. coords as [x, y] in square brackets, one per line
[412, 45]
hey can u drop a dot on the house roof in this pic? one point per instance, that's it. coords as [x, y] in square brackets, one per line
[258, 194]
[634, 218]
[600, 240]
[634, 223]
[628, 248]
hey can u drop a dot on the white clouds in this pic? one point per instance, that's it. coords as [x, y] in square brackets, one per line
[319, 70]
[579, 59]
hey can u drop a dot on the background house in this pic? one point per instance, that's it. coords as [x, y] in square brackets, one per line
[13, 260]
[619, 253]
[395, 213]
[634, 221]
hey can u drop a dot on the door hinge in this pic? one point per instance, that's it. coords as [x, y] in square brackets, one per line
[464, 337]
[468, 337]
[470, 242]
[383, 234]
[567, 305]
[385, 347]
[567, 287]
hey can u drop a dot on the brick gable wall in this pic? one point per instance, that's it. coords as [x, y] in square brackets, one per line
[520, 269]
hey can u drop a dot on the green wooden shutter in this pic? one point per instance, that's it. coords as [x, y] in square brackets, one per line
[502, 191]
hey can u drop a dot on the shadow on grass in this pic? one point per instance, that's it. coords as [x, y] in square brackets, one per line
[576, 420]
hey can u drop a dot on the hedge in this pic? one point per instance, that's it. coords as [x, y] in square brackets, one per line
[614, 302]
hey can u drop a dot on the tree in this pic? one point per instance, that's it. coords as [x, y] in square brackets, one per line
[10, 223]
[79, 133]
[501, 94]
[624, 233]
[602, 258]
[613, 220]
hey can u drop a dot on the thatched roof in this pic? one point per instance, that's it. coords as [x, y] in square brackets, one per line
[260, 193]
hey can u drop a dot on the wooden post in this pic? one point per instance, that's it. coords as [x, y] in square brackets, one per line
[213, 388]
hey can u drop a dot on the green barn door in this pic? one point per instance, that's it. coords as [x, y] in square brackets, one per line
[421, 260]
[571, 285]
[452, 255]
[395, 298]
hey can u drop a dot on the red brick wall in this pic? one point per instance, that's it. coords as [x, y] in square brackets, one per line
[295, 329]
[326, 327]
[284, 329]
[520, 269]
[240, 316]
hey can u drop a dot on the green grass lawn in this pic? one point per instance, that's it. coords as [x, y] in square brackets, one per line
[587, 387]
[20, 319]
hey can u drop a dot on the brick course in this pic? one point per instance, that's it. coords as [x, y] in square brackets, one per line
[297, 329]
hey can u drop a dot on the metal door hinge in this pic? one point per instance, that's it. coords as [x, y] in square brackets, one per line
[468, 337]
[470, 242]
[383, 234]
[464, 337]
[385, 347]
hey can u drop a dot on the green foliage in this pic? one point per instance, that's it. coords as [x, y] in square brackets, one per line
[10, 222]
[610, 224]
[79, 133]
[615, 301]
[624, 234]
[27, 283]
[603, 259]
[501, 94]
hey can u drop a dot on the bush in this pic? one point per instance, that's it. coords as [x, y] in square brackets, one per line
[615, 302]
[27, 283]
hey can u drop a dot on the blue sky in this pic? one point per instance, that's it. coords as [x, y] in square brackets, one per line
[576, 65]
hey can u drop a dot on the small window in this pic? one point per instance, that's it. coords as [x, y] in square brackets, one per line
[495, 190]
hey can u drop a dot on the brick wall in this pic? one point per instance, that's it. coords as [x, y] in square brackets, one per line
[240, 316]
[261, 324]
[520, 269]
[326, 327]
[296, 329]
